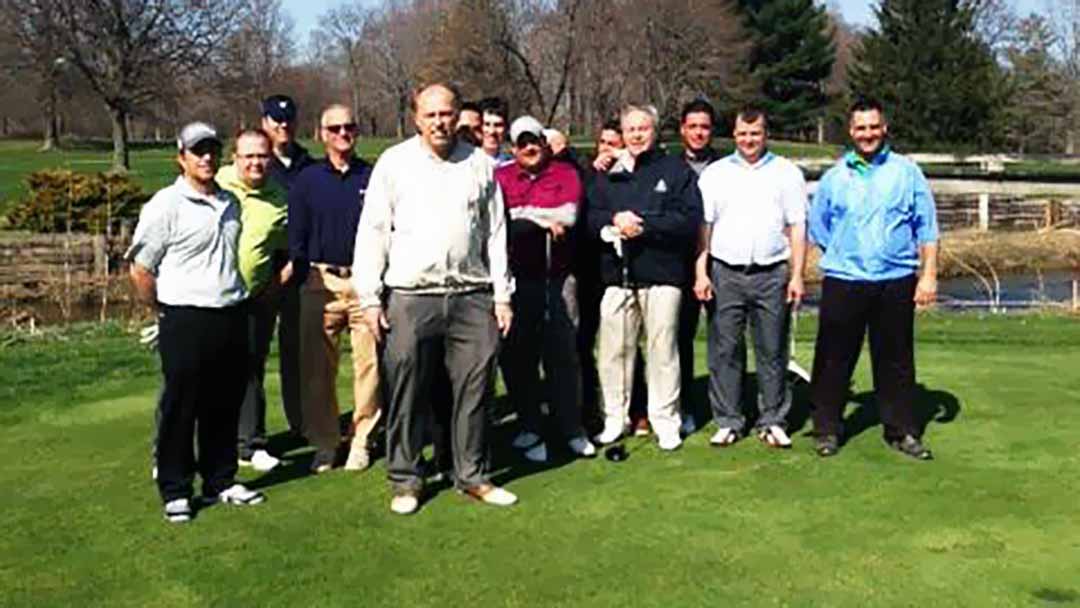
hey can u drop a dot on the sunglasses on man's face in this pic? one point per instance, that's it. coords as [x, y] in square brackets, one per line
[348, 127]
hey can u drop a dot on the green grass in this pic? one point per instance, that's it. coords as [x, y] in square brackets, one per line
[151, 167]
[992, 522]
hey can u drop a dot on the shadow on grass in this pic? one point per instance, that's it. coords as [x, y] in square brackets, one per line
[936, 406]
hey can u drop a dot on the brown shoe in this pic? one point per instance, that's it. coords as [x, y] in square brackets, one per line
[490, 494]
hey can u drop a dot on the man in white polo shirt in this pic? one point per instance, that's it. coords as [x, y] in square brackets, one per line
[752, 253]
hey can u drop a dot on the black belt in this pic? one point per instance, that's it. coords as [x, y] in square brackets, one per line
[748, 268]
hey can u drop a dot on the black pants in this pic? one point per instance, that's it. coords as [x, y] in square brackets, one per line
[251, 431]
[204, 358]
[848, 310]
[689, 317]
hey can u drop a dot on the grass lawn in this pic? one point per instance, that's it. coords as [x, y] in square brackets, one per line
[992, 522]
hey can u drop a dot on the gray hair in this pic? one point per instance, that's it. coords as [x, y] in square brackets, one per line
[647, 109]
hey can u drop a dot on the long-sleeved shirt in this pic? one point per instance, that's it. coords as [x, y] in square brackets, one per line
[263, 213]
[750, 205]
[431, 225]
[663, 192]
[324, 210]
[285, 170]
[535, 201]
[870, 217]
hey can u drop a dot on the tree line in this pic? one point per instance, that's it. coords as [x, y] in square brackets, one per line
[967, 73]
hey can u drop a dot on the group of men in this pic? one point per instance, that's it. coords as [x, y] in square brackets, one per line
[448, 258]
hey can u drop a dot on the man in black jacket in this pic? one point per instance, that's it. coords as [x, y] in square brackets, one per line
[645, 210]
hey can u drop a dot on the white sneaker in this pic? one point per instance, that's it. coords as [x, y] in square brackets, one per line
[323, 461]
[537, 453]
[492, 495]
[153, 473]
[239, 494]
[611, 434]
[723, 437]
[775, 437]
[525, 439]
[404, 504]
[668, 441]
[178, 511]
[582, 447]
[689, 425]
[261, 460]
[359, 458]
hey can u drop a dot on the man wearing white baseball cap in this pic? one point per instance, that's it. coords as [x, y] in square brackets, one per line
[542, 199]
[183, 259]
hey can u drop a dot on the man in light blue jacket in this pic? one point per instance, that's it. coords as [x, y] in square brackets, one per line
[873, 218]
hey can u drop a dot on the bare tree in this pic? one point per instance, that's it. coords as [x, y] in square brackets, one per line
[31, 29]
[254, 57]
[126, 49]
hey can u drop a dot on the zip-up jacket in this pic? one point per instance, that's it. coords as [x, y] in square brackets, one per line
[663, 191]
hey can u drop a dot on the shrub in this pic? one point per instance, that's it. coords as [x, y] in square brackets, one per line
[91, 199]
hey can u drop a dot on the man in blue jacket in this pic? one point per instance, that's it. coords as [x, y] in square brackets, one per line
[873, 218]
[645, 209]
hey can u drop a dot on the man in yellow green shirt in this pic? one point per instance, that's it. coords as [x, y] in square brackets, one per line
[265, 270]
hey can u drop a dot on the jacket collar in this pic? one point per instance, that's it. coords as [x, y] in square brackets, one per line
[860, 165]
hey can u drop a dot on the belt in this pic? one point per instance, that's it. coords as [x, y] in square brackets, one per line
[748, 268]
[342, 272]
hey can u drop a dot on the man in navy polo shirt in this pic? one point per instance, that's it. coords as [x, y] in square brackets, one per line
[324, 209]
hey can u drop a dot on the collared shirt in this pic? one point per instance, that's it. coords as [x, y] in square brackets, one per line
[535, 201]
[869, 218]
[264, 214]
[324, 209]
[698, 162]
[750, 205]
[284, 172]
[188, 240]
[432, 225]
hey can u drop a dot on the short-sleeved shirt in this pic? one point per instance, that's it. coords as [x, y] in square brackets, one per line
[189, 241]
[750, 205]
[870, 217]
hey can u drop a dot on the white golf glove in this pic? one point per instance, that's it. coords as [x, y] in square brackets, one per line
[148, 336]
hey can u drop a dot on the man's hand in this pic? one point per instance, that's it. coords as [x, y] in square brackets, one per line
[376, 322]
[795, 291]
[558, 231]
[703, 288]
[504, 315]
[926, 290]
[628, 223]
[285, 274]
[603, 162]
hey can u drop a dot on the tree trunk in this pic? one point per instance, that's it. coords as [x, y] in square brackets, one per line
[1070, 141]
[49, 126]
[121, 161]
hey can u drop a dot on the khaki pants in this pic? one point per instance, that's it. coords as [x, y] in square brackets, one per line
[328, 306]
[622, 314]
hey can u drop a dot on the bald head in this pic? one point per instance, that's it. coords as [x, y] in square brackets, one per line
[436, 113]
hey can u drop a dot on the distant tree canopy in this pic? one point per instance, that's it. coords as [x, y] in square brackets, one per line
[938, 79]
[791, 58]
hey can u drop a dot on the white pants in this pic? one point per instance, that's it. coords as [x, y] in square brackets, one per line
[622, 313]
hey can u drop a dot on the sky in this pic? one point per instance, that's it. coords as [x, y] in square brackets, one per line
[859, 12]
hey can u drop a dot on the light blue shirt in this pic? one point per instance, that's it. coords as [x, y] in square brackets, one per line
[869, 218]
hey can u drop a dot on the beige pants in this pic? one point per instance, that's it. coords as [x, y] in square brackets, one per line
[622, 314]
[328, 306]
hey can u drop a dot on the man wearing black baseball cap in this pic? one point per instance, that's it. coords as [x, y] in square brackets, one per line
[279, 122]
[287, 161]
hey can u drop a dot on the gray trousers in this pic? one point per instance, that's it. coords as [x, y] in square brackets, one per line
[760, 298]
[428, 331]
[545, 330]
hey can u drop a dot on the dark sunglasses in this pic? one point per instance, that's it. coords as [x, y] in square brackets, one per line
[349, 127]
[529, 139]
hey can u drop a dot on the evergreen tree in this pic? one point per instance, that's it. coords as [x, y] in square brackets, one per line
[938, 80]
[791, 58]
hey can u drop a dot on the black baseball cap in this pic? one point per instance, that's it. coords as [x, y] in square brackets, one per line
[281, 108]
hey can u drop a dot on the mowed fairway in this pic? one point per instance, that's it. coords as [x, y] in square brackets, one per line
[992, 522]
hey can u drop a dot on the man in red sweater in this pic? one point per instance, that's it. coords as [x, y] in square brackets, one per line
[542, 199]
